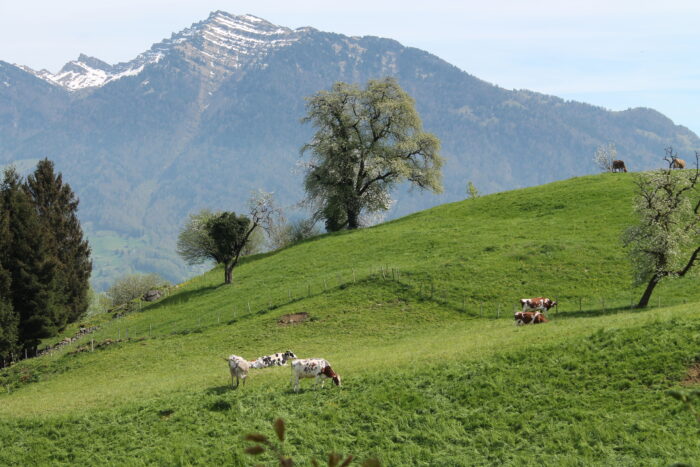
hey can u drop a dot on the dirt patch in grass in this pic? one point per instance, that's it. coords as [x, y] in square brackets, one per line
[693, 376]
[294, 318]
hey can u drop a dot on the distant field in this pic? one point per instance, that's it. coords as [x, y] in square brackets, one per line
[407, 313]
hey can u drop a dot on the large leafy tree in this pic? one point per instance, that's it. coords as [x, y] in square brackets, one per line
[34, 290]
[57, 207]
[366, 141]
[666, 241]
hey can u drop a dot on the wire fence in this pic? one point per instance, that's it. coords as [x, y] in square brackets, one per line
[408, 286]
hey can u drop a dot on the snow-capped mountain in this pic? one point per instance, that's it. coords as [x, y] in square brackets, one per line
[202, 118]
[218, 45]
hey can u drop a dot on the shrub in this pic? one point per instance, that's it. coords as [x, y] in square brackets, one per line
[132, 286]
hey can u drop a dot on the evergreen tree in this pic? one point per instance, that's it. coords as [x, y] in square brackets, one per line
[33, 271]
[57, 207]
[9, 320]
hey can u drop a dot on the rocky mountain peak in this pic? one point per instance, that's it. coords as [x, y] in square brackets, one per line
[217, 47]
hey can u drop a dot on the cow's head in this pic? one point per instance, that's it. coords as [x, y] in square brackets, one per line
[336, 379]
[552, 303]
[289, 354]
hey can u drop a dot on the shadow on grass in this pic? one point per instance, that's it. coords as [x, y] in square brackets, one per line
[596, 312]
[184, 297]
[218, 390]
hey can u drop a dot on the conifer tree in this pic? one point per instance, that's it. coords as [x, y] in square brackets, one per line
[57, 207]
[9, 320]
[33, 271]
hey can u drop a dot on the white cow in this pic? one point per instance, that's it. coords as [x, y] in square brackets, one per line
[239, 367]
[318, 368]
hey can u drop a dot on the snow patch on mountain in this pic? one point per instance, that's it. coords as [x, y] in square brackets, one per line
[223, 42]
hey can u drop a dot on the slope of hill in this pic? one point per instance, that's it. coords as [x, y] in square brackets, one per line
[428, 377]
[206, 116]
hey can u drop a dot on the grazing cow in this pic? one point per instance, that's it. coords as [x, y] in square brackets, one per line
[619, 166]
[677, 163]
[537, 304]
[528, 317]
[239, 367]
[278, 359]
[318, 368]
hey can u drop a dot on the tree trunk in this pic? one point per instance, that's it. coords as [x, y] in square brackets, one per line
[353, 219]
[644, 301]
[228, 273]
[353, 212]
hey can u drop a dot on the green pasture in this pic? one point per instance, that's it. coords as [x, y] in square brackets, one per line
[416, 316]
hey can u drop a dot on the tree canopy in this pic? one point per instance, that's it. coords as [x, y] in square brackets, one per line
[666, 241]
[366, 141]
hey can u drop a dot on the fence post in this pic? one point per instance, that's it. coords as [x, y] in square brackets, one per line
[481, 310]
[325, 286]
[149, 330]
[309, 291]
[603, 300]
[498, 313]
[353, 276]
[579, 304]
[249, 310]
[92, 345]
[464, 304]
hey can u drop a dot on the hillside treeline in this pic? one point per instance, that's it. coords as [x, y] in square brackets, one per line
[45, 262]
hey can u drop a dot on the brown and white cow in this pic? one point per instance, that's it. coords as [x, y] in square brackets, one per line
[618, 166]
[528, 317]
[318, 368]
[537, 304]
[677, 163]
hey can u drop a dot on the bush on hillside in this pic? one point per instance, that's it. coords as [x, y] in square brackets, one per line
[132, 286]
[289, 233]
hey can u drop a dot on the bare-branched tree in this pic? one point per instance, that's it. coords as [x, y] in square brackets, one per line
[666, 241]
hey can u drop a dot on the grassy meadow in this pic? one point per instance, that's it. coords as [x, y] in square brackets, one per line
[416, 316]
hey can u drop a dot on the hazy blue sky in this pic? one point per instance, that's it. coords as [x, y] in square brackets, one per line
[616, 54]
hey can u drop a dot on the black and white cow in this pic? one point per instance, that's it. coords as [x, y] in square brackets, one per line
[278, 359]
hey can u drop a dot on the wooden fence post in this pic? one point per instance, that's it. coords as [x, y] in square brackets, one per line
[353, 276]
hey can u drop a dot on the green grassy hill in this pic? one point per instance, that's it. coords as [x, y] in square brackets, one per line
[416, 315]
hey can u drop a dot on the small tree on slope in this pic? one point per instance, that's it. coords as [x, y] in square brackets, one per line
[666, 242]
[224, 236]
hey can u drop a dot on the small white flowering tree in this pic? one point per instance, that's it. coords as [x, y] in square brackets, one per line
[604, 156]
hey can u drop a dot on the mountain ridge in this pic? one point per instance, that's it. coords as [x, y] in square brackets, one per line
[188, 132]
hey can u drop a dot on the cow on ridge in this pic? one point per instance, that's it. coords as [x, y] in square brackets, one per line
[619, 166]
